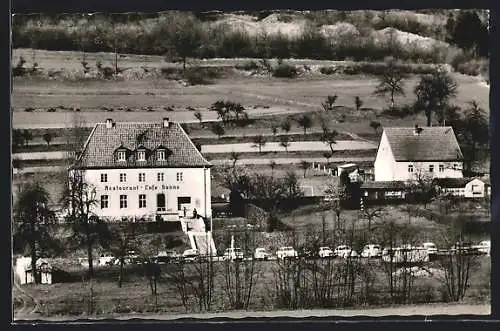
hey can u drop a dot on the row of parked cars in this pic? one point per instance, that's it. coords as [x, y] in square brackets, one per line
[403, 252]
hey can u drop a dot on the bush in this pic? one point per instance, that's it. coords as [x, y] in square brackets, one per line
[285, 70]
[248, 66]
[328, 70]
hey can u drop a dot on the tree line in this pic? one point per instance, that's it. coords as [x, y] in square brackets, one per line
[179, 35]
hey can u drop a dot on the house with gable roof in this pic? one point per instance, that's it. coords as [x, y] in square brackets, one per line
[146, 171]
[406, 153]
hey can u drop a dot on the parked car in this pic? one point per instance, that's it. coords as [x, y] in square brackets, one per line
[106, 260]
[306, 253]
[286, 252]
[261, 254]
[344, 251]
[430, 247]
[371, 251]
[484, 247]
[405, 254]
[190, 255]
[166, 257]
[464, 247]
[325, 252]
[233, 254]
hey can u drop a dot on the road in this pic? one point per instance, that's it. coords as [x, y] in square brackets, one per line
[296, 146]
[424, 311]
[67, 119]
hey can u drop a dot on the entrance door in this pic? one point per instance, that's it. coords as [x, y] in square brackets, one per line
[160, 202]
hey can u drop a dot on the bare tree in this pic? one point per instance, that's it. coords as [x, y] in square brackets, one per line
[123, 239]
[198, 115]
[234, 158]
[274, 129]
[391, 82]
[47, 137]
[330, 138]
[272, 165]
[375, 126]
[218, 129]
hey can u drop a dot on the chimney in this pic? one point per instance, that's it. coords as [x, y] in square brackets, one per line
[166, 122]
[109, 123]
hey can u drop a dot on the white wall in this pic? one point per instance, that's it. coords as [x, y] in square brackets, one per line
[195, 184]
[384, 162]
[480, 188]
[422, 169]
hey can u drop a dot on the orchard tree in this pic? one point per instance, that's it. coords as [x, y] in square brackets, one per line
[234, 158]
[327, 156]
[218, 129]
[259, 141]
[199, 117]
[285, 142]
[47, 137]
[391, 83]
[305, 122]
[330, 138]
[286, 126]
[304, 165]
[329, 102]
[358, 102]
[272, 165]
[433, 93]
[375, 126]
[27, 136]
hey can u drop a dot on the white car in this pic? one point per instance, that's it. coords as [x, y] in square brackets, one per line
[190, 255]
[430, 247]
[371, 250]
[261, 254]
[106, 260]
[286, 252]
[345, 252]
[325, 252]
[484, 247]
[233, 254]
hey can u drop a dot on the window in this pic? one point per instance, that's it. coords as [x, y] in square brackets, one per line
[161, 177]
[183, 202]
[160, 155]
[431, 168]
[179, 177]
[160, 202]
[123, 178]
[104, 201]
[122, 156]
[142, 200]
[455, 166]
[476, 189]
[104, 178]
[410, 168]
[441, 167]
[142, 177]
[141, 156]
[123, 201]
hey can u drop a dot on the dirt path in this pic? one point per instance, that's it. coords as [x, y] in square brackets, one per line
[425, 312]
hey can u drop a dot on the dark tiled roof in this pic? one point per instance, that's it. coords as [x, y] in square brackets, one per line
[384, 185]
[454, 182]
[436, 143]
[99, 151]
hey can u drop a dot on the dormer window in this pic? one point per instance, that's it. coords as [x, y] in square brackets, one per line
[121, 156]
[141, 155]
[160, 155]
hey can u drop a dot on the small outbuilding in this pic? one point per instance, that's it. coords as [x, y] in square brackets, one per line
[463, 187]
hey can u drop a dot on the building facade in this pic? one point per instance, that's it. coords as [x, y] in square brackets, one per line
[144, 171]
[407, 154]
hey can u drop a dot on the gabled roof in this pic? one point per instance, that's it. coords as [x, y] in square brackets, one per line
[455, 182]
[99, 149]
[436, 143]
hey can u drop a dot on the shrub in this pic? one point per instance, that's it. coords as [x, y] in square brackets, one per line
[250, 65]
[328, 70]
[285, 70]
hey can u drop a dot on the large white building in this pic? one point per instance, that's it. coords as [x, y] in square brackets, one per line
[406, 154]
[145, 171]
